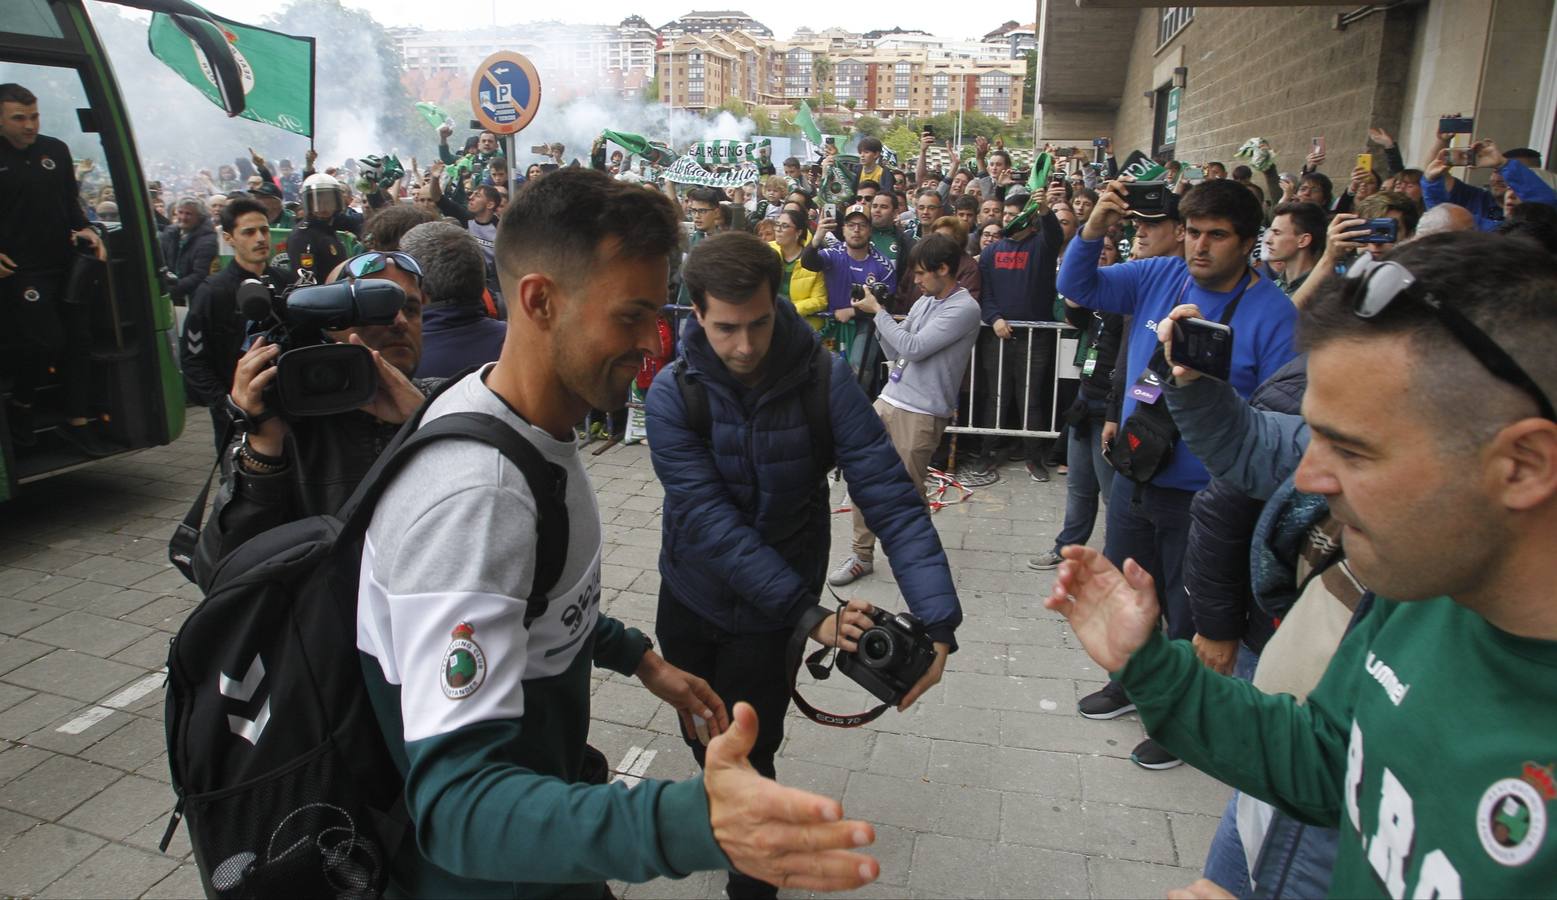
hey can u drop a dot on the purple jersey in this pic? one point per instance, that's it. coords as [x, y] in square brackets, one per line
[840, 270]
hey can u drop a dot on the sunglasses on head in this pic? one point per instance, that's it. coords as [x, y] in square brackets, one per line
[364, 264]
[1379, 285]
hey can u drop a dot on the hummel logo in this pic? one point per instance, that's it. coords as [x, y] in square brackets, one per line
[242, 691]
[196, 341]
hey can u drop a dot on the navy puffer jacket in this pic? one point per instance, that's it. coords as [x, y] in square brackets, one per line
[746, 517]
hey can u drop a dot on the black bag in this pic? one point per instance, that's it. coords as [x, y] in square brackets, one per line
[815, 400]
[277, 757]
[1146, 439]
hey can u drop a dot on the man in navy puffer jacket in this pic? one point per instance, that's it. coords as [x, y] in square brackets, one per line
[747, 516]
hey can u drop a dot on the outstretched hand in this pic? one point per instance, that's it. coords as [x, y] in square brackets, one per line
[791, 838]
[1111, 612]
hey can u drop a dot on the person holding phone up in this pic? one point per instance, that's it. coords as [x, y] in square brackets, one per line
[1514, 170]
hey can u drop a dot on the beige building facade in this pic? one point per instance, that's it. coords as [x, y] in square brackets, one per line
[1292, 73]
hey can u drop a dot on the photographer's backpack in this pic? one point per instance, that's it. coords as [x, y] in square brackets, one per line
[814, 399]
[277, 758]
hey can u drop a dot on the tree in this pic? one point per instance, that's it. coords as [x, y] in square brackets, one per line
[822, 71]
[762, 119]
[1030, 83]
[830, 124]
[651, 91]
[904, 141]
[734, 106]
[869, 126]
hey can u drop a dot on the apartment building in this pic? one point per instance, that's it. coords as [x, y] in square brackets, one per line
[572, 58]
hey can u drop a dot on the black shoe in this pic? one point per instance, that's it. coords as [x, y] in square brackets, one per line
[86, 439]
[1149, 754]
[1108, 703]
[20, 419]
[1036, 471]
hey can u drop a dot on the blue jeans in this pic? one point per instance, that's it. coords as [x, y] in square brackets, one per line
[1226, 863]
[1089, 475]
[1150, 524]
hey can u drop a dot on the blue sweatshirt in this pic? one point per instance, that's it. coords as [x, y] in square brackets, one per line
[1017, 277]
[1525, 184]
[1148, 289]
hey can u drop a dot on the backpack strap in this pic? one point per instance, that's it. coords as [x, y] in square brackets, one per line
[815, 400]
[548, 485]
[694, 398]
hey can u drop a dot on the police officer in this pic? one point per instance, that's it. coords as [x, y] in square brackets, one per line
[314, 248]
[40, 217]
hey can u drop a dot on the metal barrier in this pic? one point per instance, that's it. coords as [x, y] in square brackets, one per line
[1030, 337]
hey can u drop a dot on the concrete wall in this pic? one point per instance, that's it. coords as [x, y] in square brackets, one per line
[1516, 48]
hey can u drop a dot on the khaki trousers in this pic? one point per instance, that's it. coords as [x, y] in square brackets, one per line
[915, 436]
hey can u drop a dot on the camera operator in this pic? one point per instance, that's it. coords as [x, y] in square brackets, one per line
[213, 331]
[746, 535]
[279, 469]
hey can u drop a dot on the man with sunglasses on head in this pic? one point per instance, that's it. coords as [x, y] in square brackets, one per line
[1428, 740]
[277, 470]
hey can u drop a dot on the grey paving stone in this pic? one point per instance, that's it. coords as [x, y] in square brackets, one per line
[1181, 789]
[977, 656]
[635, 557]
[1005, 769]
[1053, 662]
[112, 570]
[1000, 629]
[623, 704]
[894, 849]
[948, 866]
[75, 675]
[35, 712]
[13, 579]
[166, 613]
[181, 884]
[11, 695]
[1009, 692]
[847, 748]
[55, 787]
[150, 652]
[952, 723]
[922, 806]
[123, 808]
[52, 561]
[18, 617]
[1022, 872]
[19, 759]
[149, 837]
[136, 744]
[41, 855]
[634, 518]
[88, 633]
[618, 577]
[1066, 731]
[829, 781]
[156, 769]
[646, 582]
[1091, 828]
[1192, 837]
[164, 580]
[95, 542]
[13, 824]
[694, 887]
[1126, 878]
[102, 599]
[900, 755]
[49, 737]
[45, 589]
[15, 652]
[114, 871]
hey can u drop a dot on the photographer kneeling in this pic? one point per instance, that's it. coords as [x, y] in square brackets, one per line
[277, 468]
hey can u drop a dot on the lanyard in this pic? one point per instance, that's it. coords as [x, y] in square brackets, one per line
[1231, 308]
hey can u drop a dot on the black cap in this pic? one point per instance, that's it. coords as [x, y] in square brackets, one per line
[267, 189]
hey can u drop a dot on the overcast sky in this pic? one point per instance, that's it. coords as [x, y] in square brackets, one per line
[782, 17]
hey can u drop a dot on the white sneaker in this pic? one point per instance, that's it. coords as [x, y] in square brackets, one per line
[852, 570]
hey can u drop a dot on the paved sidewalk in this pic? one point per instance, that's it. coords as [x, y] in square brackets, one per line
[990, 786]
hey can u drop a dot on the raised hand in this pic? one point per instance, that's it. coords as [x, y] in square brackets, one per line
[791, 838]
[1111, 612]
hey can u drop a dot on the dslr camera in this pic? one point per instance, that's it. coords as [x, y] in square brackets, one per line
[894, 653]
[315, 375]
[878, 289]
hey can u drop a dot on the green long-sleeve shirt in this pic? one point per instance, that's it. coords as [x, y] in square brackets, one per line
[1430, 743]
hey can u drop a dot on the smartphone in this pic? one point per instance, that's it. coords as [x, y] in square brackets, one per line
[1456, 125]
[830, 211]
[1462, 156]
[1149, 198]
[1194, 174]
[1381, 231]
[928, 129]
[1100, 142]
[541, 149]
[828, 140]
[1365, 161]
[1206, 347]
[1319, 145]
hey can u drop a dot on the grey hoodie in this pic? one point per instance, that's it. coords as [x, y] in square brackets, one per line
[934, 345]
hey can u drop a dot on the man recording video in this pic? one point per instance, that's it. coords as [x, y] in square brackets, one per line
[278, 469]
[743, 430]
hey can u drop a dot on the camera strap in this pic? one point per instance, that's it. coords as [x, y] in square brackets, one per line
[820, 671]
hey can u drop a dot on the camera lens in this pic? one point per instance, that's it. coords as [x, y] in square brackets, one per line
[327, 377]
[878, 648]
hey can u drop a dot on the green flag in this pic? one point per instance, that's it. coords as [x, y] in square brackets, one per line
[1037, 183]
[656, 153]
[807, 124]
[434, 115]
[277, 69]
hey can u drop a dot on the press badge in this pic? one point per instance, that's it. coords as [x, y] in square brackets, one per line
[1090, 364]
[897, 370]
[1148, 388]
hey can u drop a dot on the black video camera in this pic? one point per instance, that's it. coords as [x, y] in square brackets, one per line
[877, 288]
[894, 653]
[317, 376]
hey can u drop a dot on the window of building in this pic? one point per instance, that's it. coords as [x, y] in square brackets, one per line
[1171, 21]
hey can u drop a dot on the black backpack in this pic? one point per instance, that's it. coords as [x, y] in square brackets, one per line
[813, 399]
[277, 758]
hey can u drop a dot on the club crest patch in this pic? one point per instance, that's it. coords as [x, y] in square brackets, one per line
[464, 665]
[31, 295]
[47, 163]
[1511, 818]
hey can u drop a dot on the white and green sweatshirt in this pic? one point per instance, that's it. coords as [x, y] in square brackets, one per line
[487, 718]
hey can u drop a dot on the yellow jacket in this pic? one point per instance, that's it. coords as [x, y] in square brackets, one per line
[806, 290]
